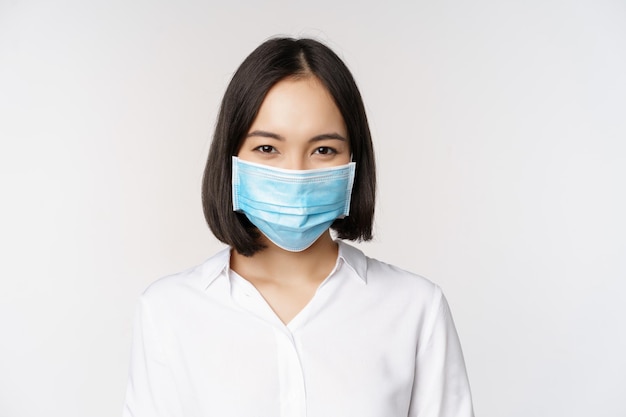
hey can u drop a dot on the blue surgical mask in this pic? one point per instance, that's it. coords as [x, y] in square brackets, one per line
[292, 207]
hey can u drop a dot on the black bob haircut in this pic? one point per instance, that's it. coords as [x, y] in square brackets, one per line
[274, 60]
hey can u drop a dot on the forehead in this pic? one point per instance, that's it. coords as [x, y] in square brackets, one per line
[299, 106]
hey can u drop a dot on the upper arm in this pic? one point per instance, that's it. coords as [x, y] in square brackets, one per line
[151, 390]
[441, 387]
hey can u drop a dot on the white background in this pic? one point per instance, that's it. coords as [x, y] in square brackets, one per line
[500, 134]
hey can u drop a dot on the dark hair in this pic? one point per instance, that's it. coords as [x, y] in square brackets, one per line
[273, 61]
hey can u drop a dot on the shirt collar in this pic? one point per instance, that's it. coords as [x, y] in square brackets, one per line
[353, 258]
[220, 263]
[215, 266]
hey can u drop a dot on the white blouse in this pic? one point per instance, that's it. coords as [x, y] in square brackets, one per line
[374, 341]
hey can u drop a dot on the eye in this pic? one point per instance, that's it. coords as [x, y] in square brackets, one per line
[266, 149]
[325, 150]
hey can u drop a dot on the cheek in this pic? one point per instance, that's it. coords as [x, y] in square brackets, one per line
[243, 148]
[345, 158]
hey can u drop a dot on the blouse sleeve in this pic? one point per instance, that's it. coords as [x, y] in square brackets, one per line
[441, 387]
[151, 391]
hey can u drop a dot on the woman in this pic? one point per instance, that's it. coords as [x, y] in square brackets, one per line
[286, 321]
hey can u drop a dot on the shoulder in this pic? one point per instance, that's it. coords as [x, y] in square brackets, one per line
[390, 279]
[394, 294]
[192, 280]
[404, 283]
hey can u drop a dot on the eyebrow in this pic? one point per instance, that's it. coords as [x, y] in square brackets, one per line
[323, 136]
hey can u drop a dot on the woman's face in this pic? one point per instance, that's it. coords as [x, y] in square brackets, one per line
[298, 127]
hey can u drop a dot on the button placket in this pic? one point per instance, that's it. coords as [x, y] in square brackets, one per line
[292, 388]
[291, 377]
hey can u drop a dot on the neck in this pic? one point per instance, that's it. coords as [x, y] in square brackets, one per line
[278, 265]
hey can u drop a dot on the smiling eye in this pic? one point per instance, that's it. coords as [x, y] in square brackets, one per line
[325, 150]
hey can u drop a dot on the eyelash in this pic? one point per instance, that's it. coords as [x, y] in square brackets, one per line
[265, 149]
[327, 149]
[322, 150]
